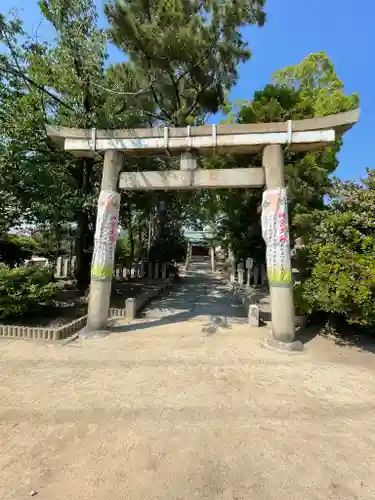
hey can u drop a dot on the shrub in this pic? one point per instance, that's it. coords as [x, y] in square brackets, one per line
[122, 248]
[14, 250]
[342, 282]
[301, 305]
[339, 277]
[24, 290]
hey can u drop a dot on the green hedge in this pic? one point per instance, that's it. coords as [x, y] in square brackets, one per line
[24, 290]
[342, 282]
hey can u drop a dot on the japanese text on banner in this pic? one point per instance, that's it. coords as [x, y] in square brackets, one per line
[105, 235]
[275, 230]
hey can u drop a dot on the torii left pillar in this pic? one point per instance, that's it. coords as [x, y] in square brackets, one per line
[104, 247]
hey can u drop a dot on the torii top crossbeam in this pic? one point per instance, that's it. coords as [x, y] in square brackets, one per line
[300, 135]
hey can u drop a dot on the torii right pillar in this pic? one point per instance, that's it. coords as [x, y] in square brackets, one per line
[275, 229]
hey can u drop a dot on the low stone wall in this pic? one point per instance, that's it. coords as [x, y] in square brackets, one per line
[33, 333]
[254, 276]
[134, 304]
[116, 312]
[65, 268]
[132, 308]
[26, 332]
[71, 328]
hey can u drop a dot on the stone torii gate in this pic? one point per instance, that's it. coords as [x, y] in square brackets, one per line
[188, 142]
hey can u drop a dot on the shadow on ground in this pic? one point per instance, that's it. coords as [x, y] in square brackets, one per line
[205, 297]
[343, 336]
[363, 341]
[200, 297]
[210, 327]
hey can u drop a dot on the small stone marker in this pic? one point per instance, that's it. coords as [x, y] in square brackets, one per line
[131, 308]
[254, 315]
[241, 275]
[65, 270]
[73, 263]
[59, 267]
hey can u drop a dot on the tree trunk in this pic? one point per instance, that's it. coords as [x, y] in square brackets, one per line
[132, 246]
[85, 236]
[149, 240]
[140, 240]
[82, 250]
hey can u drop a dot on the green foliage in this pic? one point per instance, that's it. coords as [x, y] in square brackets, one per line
[235, 228]
[14, 250]
[340, 246]
[305, 90]
[301, 305]
[181, 61]
[185, 53]
[169, 242]
[167, 248]
[320, 88]
[122, 248]
[50, 242]
[62, 82]
[24, 290]
[43, 242]
[342, 282]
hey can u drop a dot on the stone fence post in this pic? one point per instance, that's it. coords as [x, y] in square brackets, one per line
[149, 269]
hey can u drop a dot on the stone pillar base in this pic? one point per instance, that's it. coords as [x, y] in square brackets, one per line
[87, 334]
[276, 345]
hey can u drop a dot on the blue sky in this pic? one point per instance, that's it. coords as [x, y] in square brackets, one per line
[344, 29]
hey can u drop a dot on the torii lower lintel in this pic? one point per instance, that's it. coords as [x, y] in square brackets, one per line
[192, 179]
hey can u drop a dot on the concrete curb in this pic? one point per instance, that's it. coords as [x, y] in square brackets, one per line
[134, 305]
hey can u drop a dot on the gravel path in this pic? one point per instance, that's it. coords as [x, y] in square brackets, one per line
[202, 295]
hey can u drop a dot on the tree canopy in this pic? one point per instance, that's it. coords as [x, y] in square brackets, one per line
[293, 94]
[180, 60]
[185, 52]
[180, 63]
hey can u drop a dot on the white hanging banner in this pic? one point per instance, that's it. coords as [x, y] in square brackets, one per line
[275, 230]
[105, 235]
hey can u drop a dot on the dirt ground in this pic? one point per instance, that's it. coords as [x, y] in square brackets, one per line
[185, 411]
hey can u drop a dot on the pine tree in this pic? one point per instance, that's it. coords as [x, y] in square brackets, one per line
[187, 51]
